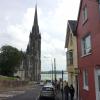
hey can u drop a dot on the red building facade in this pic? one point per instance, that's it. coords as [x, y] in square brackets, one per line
[88, 45]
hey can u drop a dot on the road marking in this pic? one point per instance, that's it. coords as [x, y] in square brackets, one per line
[17, 92]
[5, 95]
[10, 94]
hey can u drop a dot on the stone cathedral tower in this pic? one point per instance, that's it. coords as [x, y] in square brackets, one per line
[33, 52]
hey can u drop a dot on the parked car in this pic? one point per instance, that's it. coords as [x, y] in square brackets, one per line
[48, 91]
[41, 83]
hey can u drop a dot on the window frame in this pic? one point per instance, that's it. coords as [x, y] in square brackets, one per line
[69, 58]
[85, 14]
[86, 50]
[98, 1]
[85, 80]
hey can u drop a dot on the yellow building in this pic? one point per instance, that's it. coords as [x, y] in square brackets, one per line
[71, 55]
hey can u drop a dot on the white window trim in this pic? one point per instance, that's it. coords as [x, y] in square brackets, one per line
[84, 14]
[82, 46]
[69, 60]
[84, 84]
[86, 88]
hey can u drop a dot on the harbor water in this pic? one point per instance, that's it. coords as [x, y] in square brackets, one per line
[49, 76]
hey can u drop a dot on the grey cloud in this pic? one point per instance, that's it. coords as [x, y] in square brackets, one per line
[47, 5]
[12, 13]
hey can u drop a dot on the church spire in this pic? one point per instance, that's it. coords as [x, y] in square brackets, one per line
[35, 28]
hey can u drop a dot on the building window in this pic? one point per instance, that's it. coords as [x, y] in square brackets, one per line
[98, 1]
[70, 57]
[85, 14]
[99, 4]
[85, 79]
[86, 45]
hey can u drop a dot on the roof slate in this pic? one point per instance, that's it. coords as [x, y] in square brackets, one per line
[73, 24]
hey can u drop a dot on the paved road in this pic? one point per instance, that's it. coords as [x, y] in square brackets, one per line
[31, 94]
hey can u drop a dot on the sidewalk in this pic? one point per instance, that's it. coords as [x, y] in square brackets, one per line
[59, 96]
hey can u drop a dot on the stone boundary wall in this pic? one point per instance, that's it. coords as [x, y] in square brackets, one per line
[12, 83]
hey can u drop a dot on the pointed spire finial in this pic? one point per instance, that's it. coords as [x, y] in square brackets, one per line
[36, 4]
[35, 28]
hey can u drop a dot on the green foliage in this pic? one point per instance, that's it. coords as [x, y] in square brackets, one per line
[9, 60]
[7, 78]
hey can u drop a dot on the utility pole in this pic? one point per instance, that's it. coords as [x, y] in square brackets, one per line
[62, 84]
[52, 71]
[55, 69]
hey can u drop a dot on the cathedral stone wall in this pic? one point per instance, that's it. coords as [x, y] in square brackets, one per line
[32, 60]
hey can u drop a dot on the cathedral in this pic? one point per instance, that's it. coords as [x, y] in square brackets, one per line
[31, 62]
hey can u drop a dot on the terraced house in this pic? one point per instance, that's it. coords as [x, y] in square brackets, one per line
[88, 42]
[71, 54]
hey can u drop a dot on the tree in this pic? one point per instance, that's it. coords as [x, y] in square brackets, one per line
[10, 58]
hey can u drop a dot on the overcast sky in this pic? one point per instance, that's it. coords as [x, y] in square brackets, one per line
[16, 20]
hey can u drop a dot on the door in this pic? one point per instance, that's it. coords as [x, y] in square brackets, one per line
[97, 81]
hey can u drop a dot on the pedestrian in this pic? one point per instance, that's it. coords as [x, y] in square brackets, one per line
[66, 91]
[58, 86]
[72, 91]
[61, 88]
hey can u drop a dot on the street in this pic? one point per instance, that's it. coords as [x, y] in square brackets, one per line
[24, 94]
[31, 94]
